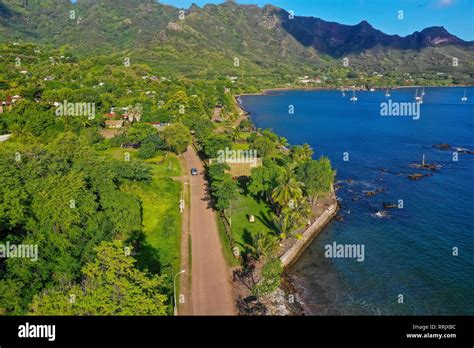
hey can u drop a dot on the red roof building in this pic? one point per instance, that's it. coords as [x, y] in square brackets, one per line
[110, 115]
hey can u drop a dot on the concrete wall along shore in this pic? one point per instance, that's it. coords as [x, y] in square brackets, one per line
[312, 231]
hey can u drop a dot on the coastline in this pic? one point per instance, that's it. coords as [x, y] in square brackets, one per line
[299, 246]
[316, 88]
[328, 287]
[290, 253]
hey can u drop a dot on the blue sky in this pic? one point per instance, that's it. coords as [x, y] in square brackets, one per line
[457, 16]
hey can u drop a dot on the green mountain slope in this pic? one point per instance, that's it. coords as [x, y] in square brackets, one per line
[231, 40]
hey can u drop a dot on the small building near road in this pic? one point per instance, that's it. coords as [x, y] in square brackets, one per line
[111, 115]
[114, 124]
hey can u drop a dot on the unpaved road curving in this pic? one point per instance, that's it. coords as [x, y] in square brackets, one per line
[211, 290]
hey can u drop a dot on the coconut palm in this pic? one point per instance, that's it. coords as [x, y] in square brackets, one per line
[263, 245]
[302, 210]
[85, 122]
[302, 153]
[282, 141]
[306, 152]
[292, 217]
[288, 189]
[236, 134]
[285, 222]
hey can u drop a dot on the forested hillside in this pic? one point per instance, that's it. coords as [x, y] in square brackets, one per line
[233, 40]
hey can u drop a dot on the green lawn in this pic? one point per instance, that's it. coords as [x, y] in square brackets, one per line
[165, 165]
[118, 153]
[242, 207]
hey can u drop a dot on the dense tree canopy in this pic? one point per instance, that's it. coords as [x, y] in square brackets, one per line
[176, 137]
[110, 285]
[317, 176]
[64, 198]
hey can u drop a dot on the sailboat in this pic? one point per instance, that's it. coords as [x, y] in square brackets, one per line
[423, 91]
[387, 93]
[418, 98]
[343, 94]
[354, 98]
[464, 98]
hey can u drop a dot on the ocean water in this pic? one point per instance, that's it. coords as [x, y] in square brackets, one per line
[408, 267]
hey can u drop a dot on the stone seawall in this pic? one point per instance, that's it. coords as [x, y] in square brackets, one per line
[312, 231]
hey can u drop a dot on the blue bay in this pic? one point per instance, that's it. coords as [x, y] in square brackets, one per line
[409, 252]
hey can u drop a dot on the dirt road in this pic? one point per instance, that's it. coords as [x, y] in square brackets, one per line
[211, 291]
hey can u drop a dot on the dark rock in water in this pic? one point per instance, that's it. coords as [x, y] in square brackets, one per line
[389, 205]
[350, 181]
[374, 192]
[444, 147]
[339, 217]
[428, 166]
[415, 176]
[418, 176]
[463, 150]
[447, 147]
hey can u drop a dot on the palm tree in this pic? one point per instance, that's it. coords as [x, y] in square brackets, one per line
[292, 217]
[86, 122]
[306, 152]
[282, 141]
[302, 210]
[288, 189]
[236, 134]
[285, 222]
[302, 153]
[263, 245]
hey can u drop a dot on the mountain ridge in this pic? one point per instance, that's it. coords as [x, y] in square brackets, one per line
[265, 39]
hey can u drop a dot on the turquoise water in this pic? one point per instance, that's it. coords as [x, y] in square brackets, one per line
[410, 251]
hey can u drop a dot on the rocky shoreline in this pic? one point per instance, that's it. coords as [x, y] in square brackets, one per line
[286, 300]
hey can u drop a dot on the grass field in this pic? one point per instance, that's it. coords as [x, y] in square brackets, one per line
[242, 228]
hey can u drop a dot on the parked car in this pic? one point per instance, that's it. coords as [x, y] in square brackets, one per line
[194, 171]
